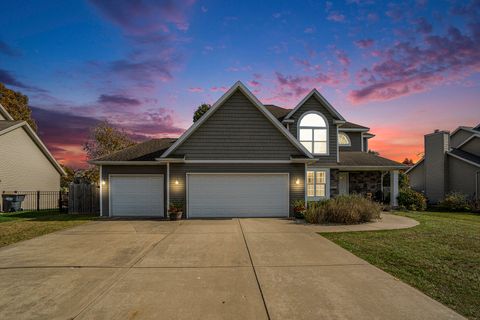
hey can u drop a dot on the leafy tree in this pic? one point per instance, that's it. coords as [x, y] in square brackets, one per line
[408, 162]
[103, 140]
[69, 178]
[374, 152]
[201, 110]
[16, 105]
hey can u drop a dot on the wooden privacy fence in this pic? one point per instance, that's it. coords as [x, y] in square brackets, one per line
[84, 198]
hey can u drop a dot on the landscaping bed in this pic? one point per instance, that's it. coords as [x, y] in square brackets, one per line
[440, 257]
[19, 226]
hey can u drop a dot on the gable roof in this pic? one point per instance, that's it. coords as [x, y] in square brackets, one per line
[473, 136]
[276, 111]
[350, 125]
[415, 165]
[238, 86]
[7, 126]
[465, 128]
[145, 151]
[465, 156]
[317, 95]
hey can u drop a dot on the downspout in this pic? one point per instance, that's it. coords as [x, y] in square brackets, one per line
[168, 191]
[476, 185]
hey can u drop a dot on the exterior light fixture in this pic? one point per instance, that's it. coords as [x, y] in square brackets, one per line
[297, 181]
[176, 181]
[103, 182]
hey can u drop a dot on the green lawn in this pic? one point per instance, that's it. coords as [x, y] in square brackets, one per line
[440, 257]
[25, 225]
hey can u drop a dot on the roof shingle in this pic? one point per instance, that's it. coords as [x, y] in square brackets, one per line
[144, 151]
[365, 159]
[465, 155]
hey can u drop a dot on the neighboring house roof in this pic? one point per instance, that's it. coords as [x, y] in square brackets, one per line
[415, 165]
[144, 151]
[7, 126]
[239, 86]
[351, 125]
[363, 160]
[324, 101]
[277, 112]
[465, 156]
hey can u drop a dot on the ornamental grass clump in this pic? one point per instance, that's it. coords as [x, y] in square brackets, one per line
[347, 209]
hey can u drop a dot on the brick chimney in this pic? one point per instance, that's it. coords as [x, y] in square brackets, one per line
[436, 146]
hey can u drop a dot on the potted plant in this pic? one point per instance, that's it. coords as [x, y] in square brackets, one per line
[175, 211]
[299, 209]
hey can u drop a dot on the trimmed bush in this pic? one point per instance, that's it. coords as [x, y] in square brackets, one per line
[455, 201]
[412, 200]
[347, 209]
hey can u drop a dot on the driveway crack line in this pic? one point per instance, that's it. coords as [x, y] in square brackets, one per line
[254, 270]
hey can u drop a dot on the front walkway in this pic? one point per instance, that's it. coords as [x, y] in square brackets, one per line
[200, 269]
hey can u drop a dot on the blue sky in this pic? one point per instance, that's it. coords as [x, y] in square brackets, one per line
[401, 68]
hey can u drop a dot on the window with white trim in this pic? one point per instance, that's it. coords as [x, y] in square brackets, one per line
[313, 133]
[343, 139]
[317, 183]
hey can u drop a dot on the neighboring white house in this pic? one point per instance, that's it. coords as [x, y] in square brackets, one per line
[25, 162]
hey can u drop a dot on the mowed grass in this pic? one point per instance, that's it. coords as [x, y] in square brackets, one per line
[18, 226]
[440, 257]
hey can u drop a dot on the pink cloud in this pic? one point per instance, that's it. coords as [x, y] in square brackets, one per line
[219, 89]
[407, 68]
[335, 16]
[195, 89]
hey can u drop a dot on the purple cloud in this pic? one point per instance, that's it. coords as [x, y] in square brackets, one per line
[423, 26]
[195, 89]
[335, 16]
[364, 43]
[407, 68]
[118, 100]
[7, 78]
[7, 50]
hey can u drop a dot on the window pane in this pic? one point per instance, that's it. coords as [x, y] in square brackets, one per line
[312, 120]
[310, 177]
[320, 135]
[305, 135]
[320, 147]
[320, 190]
[310, 192]
[320, 177]
[307, 145]
[343, 139]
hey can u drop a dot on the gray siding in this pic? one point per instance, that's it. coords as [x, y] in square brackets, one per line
[106, 170]
[472, 146]
[462, 177]
[237, 130]
[179, 171]
[435, 165]
[459, 137]
[313, 104]
[356, 141]
[416, 177]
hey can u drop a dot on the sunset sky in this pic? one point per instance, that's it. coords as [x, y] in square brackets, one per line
[402, 69]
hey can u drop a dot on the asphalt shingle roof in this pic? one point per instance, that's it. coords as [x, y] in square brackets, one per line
[4, 124]
[144, 151]
[361, 159]
[351, 125]
[465, 155]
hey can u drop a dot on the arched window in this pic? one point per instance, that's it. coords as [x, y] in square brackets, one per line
[313, 133]
[344, 140]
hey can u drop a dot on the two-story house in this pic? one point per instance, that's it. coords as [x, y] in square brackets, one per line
[451, 163]
[246, 159]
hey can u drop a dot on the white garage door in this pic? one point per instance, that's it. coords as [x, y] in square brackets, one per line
[237, 195]
[136, 195]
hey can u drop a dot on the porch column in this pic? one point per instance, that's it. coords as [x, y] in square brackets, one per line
[393, 188]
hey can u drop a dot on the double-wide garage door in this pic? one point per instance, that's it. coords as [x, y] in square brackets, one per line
[137, 195]
[237, 195]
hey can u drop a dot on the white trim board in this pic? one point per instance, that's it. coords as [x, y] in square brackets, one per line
[473, 136]
[324, 101]
[465, 160]
[237, 86]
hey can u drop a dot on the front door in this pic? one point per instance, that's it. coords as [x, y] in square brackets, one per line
[343, 183]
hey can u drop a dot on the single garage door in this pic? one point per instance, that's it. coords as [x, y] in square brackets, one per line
[237, 195]
[136, 195]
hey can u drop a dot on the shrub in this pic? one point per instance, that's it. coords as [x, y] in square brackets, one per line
[412, 200]
[298, 208]
[347, 209]
[455, 201]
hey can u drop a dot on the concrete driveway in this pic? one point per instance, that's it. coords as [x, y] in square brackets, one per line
[199, 269]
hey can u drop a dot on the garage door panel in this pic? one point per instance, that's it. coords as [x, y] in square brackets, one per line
[237, 195]
[137, 195]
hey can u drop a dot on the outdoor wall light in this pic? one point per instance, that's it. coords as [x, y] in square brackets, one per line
[176, 181]
[297, 181]
[103, 182]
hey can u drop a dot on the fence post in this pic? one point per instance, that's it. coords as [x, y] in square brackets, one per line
[38, 200]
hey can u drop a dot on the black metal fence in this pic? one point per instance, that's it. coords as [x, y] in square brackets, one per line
[41, 200]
